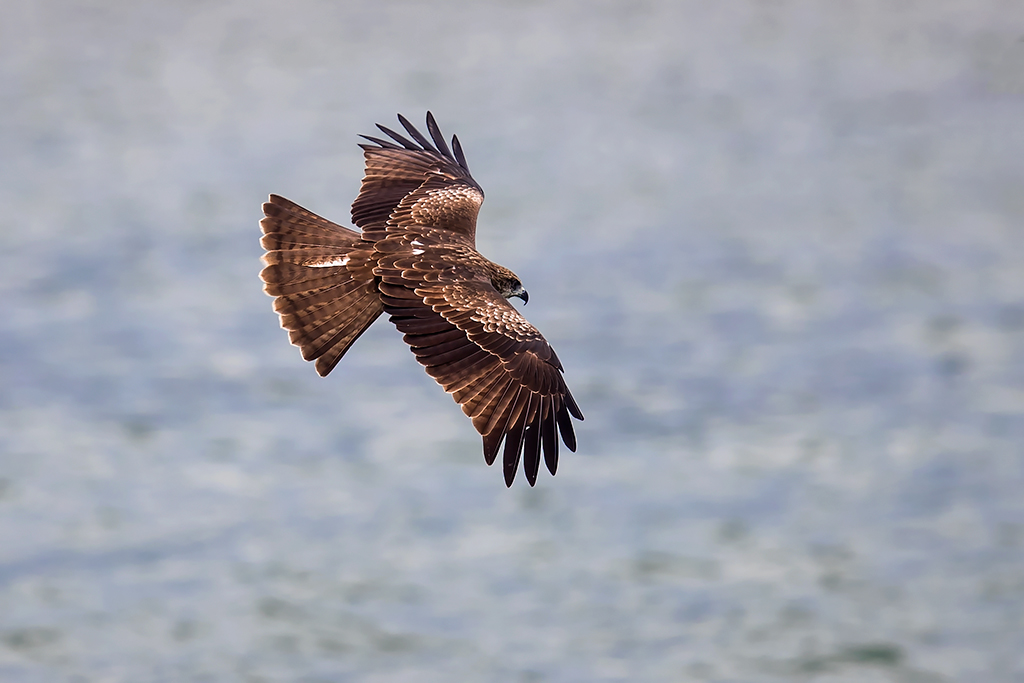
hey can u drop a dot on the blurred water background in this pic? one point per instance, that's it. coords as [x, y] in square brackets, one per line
[778, 246]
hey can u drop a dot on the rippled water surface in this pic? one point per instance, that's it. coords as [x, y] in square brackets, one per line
[778, 247]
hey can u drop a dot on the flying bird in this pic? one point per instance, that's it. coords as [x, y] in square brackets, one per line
[415, 259]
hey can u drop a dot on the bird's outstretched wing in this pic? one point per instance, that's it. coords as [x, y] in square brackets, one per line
[424, 178]
[496, 365]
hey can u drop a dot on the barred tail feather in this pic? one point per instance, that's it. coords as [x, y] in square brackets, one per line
[324, 293]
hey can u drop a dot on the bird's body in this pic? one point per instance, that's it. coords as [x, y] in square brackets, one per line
[416, 259]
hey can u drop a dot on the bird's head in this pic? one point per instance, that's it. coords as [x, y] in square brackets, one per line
[508, 284]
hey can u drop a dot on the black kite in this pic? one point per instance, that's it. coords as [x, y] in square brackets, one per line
[416, 260]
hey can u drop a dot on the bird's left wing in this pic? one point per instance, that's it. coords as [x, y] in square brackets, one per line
[423, 178]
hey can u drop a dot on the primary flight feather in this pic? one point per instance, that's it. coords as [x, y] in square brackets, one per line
[415, 259]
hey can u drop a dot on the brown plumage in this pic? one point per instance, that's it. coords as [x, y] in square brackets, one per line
[416, 259]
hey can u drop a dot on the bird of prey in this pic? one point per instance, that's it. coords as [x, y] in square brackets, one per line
[415, 259]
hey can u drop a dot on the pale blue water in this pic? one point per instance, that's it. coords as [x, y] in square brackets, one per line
[779, 250]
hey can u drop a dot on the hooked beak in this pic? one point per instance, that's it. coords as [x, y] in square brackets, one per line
[524, 295]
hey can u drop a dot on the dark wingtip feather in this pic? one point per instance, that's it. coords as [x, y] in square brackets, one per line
[460, 156]
[399, 138]
[492, 442]
[417, 136]
[549, 438]
[531, 451]
[386, 144]
[435, 133]
[510, 462]
[565, 427]
[510, 456]
[573, 408]
[514, 444]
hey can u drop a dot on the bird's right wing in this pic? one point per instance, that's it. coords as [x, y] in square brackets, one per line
[476, 345]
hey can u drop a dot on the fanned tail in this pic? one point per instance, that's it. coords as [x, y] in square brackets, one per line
[317, 273]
